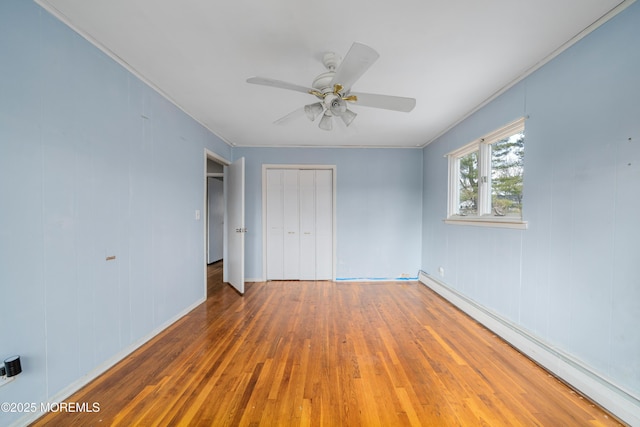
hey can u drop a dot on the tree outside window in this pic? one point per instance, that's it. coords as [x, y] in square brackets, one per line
[507, 168]
[468, 197]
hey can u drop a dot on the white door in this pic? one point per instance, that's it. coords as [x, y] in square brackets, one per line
[307, 224]
[275, 225]
[324, 224]
[235, 224]
[291, 223]
[299, 212]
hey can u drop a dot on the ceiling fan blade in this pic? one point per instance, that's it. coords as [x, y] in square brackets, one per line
[358, 60]
[396, 103]
[292, 116]
[278, 83]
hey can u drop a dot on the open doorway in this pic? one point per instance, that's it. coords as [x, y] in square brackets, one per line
[214, 219]
[215, 223]
[215, 212]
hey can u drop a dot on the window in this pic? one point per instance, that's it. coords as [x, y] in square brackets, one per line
[485, 179]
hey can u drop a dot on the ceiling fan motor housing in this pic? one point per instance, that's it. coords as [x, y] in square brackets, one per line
[323, 81]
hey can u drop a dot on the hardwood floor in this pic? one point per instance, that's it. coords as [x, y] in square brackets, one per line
[328, 354]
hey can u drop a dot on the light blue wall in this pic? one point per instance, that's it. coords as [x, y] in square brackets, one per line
[92, 163]
[379, 194]
[95, 163]
[572, 278]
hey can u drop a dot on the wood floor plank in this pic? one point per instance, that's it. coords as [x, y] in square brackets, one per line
[328, 354]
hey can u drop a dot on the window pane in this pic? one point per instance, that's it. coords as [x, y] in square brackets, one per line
[506, 176]
[468, 178]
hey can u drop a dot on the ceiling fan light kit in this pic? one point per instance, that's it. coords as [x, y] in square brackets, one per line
[348, 116]
[333, 88]
[325, 122]
[313, 110]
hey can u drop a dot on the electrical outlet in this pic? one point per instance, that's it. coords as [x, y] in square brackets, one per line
[441, 271]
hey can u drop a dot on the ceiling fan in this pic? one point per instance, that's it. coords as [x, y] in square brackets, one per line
[333, 88]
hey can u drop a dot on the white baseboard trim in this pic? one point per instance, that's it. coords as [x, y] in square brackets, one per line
[347, 280]
[100, 369]
[375, 279]
[610, 396]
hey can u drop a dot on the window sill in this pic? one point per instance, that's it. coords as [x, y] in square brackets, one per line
[480, 221]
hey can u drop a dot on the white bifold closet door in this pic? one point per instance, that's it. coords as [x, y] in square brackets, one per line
[275, 224]
[324, 224]
[291, 222]
[299, 224]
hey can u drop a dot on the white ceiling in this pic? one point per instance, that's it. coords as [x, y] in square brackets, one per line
[452, 56]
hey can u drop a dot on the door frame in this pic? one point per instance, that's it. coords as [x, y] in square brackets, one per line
[210, 155]
[265, 167]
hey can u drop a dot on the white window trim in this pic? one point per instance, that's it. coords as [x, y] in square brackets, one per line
[484, 217]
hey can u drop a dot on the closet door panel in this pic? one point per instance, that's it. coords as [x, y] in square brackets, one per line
[307, 225]
[299, 224]
[291, 221]
[324, 224]
[275, 225]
